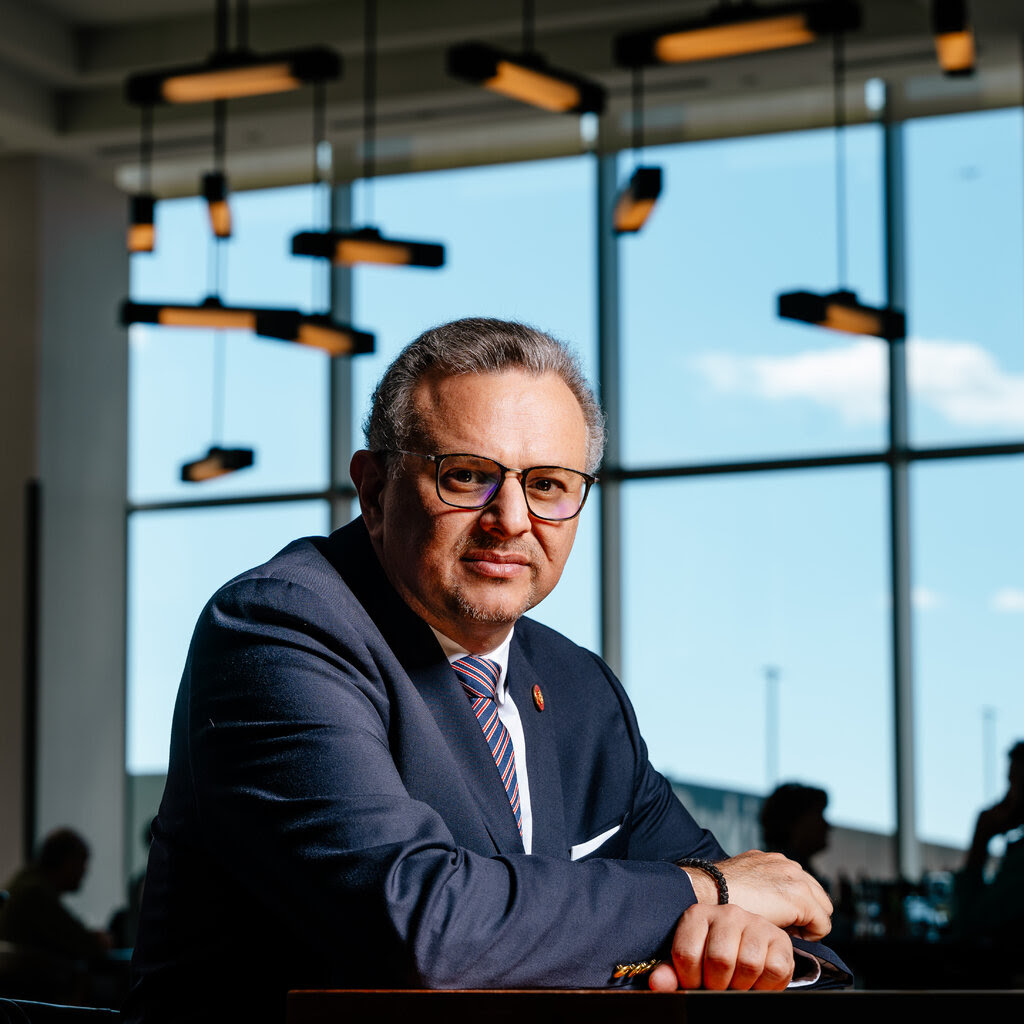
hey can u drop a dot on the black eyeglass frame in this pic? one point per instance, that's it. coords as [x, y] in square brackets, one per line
[588, 478]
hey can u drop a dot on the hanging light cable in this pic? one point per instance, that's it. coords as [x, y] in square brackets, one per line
[635, 202]
[367, 244]
[841, 310]
[142, 205]
[525, 76]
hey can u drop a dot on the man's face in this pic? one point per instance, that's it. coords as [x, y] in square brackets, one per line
[472, 573]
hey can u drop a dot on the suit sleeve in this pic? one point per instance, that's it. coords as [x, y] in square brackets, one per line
[298, 797]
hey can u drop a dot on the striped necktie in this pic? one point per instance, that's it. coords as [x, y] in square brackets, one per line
[479, 678]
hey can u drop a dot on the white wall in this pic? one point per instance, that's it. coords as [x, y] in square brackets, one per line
[63, 268]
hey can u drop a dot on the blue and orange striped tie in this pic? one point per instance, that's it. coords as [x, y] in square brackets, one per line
[479, 678]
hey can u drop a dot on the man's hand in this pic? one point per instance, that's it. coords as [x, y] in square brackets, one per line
[775, 888]
[725, 948]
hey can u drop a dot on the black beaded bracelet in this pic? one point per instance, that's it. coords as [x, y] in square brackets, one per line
[709, 869]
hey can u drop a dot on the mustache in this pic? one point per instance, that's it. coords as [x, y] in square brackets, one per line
[486, 542]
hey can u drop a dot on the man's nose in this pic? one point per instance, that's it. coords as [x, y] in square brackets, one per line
[507, 513]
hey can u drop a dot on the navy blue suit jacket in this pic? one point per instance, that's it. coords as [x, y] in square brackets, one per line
[332, 816]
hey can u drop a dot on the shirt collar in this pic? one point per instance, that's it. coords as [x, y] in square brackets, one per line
[452, 651]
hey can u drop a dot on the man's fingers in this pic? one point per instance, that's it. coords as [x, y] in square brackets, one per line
[663, 979]
[723, 947]
[688, 947]
[779, 964]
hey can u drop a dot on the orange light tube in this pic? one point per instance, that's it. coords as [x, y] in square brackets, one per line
[534, 87]
[230, 83]
[334, 343]
[367, 250]
[220, 218]
[141, 238]
[212, 316]
[839, 317]
[730, 40]
[955, 51]
[631, 214]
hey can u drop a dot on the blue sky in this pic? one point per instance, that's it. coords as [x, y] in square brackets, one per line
[723, 576]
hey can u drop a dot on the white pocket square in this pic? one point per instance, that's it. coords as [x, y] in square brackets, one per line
[581, 851]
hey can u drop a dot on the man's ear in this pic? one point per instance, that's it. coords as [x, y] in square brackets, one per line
[370, 475]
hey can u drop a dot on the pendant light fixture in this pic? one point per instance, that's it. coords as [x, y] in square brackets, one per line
[841, 310]
[526, 76]
[367, 244]
[215, 183]
[233, 73]
[732, 29]
[635, 202]
[954, 37]
[142, 205]
[218, 461]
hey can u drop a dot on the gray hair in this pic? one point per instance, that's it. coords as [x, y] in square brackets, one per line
[474, 345]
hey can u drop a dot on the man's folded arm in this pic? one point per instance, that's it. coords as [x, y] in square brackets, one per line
[301, 801]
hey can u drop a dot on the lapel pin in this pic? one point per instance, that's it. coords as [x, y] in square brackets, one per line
[538, 698]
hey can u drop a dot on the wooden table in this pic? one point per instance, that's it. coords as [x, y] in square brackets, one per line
[614, 1006]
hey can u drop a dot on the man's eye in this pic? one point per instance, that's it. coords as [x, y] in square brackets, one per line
[546, 485]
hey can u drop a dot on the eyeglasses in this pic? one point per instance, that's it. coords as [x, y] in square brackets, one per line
[472, 481]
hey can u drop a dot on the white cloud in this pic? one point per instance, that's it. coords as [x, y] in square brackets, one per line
[960, 380]
[924, 599]
[1008, 599]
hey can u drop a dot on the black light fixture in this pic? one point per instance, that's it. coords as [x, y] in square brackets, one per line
[215, 183]
[954, 37]
[211, 314]
[732, 29]
[841, 310]
[367, 244]
[142, 223]
[315, 330]
[635, 203]
[142, 205]
[217, 462]
[233, 73]
[525, 76]
[215, 192]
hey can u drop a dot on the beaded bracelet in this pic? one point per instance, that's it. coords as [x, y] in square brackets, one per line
[709, 869]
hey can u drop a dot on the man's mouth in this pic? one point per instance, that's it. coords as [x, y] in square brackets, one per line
[502, 565]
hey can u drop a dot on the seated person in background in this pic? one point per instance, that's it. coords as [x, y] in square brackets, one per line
[793, 822]
[995, 909]
[383, 775]
[45, 937]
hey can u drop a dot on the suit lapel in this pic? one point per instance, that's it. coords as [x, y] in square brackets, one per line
[539, 728]
[414, 645]
[443, 694]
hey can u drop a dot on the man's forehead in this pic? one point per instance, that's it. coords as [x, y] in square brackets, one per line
[476, 411]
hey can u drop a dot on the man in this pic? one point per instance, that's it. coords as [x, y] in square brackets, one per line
[350, 802]
[49, 947]
[793, 822]
[995, 910]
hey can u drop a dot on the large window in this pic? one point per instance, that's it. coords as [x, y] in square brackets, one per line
[756, 612]
[741, 585]
[710, 373]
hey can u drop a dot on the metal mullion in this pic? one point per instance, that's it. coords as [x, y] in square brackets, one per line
[609, 378]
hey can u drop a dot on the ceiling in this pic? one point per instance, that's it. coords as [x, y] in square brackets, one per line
[63, 64]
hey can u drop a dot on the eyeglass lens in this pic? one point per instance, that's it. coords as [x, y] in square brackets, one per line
[468, 481]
